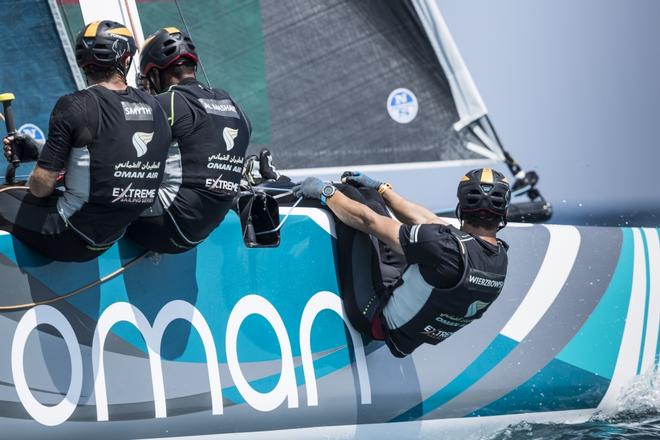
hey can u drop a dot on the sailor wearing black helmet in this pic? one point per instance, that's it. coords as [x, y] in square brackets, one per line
[210, 136]
[448, 278]
[112, 141]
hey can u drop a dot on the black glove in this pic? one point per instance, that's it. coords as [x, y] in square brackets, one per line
[26, 148]
[310, 188]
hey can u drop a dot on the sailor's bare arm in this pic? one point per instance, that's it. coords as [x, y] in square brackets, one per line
[409, 212]
[42, 182]
[363, 218]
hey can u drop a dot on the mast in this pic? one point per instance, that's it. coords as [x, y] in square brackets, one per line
[474, 115]
[121, 11]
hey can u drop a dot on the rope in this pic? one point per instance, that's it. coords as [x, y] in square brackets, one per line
[7, 188]
[100, 281]
[78, 291]
[284, 220]
[185, 25]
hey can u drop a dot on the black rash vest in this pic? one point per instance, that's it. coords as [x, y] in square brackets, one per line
[211, 135]
[452, 279]
[113, 146]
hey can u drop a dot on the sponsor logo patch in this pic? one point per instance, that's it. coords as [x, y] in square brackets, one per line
[221, 185]
[137, 111]
[402, 105]
[220, 107]
[475, 307]
[120, 47]
[480, 281]
[140, 142]
[133, 195]
[434, 333]
[451, 320]
[229, 134]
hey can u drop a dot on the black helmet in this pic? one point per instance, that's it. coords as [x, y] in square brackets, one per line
[483, 189]
[164, 48]
[105, 44]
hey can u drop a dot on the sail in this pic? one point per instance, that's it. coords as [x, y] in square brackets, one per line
[34, 66]
[375, 85]
[337, 83]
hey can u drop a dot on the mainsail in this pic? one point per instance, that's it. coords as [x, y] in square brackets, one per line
[377, 85]
[34, 65]
[335, 83]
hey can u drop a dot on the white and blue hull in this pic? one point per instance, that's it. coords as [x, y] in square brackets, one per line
[242, 340]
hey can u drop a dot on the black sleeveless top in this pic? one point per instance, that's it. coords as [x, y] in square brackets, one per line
[446, 310]
[212, 153]
[121, 168]
[203, 173]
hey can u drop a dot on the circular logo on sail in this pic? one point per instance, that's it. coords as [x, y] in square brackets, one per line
[33, 131]
[402, 105]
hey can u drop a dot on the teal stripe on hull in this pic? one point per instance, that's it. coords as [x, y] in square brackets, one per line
[557, 387]
[647, 299]
[595, 347]
[657, 346]
[580, 375]
[493, 355]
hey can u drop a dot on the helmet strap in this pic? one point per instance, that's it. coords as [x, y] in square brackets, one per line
[123, 71]
[154, 80]
[459, 214]
[503, 223]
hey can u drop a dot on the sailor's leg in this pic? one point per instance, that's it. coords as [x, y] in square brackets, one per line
[158, 234]
[391, 263]
[36, 223]
[361, 284]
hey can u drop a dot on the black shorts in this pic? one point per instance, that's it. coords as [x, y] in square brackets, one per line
[36, 223]
[369, 269]
[159, 234]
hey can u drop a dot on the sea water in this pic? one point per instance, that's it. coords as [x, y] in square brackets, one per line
[636, 417]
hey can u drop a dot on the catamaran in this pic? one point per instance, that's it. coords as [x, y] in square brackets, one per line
[246, 336]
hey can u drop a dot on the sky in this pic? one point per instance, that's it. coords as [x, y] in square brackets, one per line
[573, 88]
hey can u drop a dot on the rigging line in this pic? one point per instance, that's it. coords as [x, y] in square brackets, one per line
[64, 30]
[283, 221]
[122, 269]
[185, 25]
[7, 188]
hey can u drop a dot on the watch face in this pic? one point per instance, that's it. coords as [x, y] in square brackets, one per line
[328, 190]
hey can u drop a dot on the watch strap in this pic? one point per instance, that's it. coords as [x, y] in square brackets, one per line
[384, 187]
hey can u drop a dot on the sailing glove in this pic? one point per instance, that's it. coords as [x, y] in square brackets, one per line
[358, 180]
[26, 148]
[310, 188]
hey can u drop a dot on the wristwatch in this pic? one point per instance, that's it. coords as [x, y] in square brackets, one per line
[384, 187]
[327, 192]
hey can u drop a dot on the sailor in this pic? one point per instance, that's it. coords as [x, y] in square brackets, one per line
[447, 278]
[210, 135]
[112, 141]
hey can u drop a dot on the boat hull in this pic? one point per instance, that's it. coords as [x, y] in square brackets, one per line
[227, 339]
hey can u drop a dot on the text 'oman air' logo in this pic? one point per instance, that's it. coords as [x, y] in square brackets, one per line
[229, 134]
[140, 142]
[402, 105]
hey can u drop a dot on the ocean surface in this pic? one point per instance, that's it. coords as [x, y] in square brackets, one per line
[637, 417]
